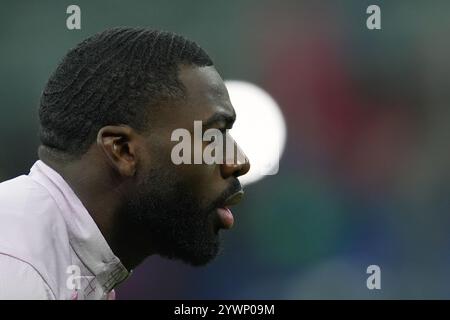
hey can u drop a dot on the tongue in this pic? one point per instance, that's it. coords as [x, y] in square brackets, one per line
[226, 217]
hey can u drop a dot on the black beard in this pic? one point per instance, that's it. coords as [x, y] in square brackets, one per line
[171, 219]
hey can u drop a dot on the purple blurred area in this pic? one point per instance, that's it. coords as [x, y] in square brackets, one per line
[365, 177]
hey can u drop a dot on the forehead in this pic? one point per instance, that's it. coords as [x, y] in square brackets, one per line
[206, 93]
[205, 96]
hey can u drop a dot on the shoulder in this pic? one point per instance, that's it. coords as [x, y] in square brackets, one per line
[33, 231]
[28, 213]
[19, 280]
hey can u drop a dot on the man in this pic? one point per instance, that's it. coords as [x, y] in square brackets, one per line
[105, 193]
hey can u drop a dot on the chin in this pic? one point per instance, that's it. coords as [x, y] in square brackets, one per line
[200, 261]
[199, 255]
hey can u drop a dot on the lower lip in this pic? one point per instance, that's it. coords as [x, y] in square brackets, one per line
[226, 217]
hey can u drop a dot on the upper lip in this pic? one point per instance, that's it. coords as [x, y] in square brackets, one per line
[234, 199]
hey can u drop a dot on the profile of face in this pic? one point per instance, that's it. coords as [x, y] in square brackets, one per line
[181, 208]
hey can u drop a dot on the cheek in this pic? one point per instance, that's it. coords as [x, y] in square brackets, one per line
[202, 180]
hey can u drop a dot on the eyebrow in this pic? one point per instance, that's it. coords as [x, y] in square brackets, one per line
[220, 116]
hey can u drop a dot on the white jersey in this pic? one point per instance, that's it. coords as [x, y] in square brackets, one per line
[50, 247]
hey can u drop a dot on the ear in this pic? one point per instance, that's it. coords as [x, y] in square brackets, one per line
[119, 145]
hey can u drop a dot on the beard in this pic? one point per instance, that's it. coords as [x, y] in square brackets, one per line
[171, 219]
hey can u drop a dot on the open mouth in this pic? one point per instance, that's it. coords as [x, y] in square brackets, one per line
[224, 213]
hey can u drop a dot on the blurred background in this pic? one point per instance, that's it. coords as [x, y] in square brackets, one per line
[365, 176]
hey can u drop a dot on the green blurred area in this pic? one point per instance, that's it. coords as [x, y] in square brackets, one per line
[366, 173]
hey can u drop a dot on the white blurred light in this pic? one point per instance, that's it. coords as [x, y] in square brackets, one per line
[259, 130]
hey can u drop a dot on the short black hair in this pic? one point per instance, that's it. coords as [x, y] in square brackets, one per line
[112, 78]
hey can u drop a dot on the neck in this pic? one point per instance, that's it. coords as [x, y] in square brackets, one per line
[102, 197]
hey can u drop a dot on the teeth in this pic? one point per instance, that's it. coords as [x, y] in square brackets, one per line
[235, 199]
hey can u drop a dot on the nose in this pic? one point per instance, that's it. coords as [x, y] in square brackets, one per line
[235, 167]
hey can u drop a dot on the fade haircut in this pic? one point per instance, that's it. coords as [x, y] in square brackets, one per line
[113, 78]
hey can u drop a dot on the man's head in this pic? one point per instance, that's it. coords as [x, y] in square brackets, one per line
[113, 103]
